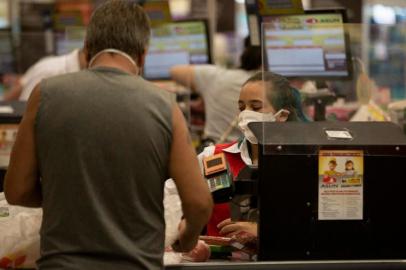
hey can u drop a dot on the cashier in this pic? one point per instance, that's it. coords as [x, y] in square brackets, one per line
[265, 96]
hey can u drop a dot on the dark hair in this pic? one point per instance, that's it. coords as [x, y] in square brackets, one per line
[251, 58]
[281, 95]
[348, 162]
[118, 24]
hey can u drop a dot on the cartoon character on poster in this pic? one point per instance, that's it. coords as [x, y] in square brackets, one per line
[341, 167]
[331, 175]
[349, 168]
[353, 176]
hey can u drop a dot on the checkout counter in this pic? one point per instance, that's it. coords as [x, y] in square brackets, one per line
[296, 230]
[312, 216]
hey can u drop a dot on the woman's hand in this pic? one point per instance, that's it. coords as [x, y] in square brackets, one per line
[230, 228]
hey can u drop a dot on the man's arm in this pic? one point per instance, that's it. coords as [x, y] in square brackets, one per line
[22, 185]
[184, 75]
[193, 190]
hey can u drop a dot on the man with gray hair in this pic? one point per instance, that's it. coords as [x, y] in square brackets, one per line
[94, 149]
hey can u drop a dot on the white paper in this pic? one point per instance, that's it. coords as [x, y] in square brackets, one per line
[338, 134]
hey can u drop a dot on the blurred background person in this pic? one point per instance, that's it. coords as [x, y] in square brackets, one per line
[46, 67]
[220, 88]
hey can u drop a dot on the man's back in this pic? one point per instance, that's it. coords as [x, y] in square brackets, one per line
[102, 198]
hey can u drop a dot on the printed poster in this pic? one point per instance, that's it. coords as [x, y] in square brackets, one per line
[8, 135]
[341, 184]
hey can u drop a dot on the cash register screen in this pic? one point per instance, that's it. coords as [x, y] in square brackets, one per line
[214, 162]
[177, 43]
[307, 45]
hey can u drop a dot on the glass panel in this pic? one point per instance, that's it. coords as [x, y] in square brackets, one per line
[335, 87]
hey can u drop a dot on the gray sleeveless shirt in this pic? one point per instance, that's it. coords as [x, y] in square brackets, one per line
[103, 140]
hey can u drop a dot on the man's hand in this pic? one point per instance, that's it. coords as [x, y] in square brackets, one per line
[187, 238]
[200, 253]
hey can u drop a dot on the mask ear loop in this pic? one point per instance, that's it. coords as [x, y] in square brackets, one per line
[231, 127]
[281, 111]
[112, 51]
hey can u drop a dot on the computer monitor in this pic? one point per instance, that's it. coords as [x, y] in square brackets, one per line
[310, 45]
[177, 43]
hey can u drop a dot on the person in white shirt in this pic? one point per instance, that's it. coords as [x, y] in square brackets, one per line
[220, 89]
[46, 67]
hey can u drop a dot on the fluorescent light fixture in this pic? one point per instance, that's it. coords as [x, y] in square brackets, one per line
[383, 14]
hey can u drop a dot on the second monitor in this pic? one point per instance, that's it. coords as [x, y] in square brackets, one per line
[311, 45]
[177, 43]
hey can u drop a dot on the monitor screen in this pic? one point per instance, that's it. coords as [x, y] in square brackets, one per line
[307, 45]
[177, 43]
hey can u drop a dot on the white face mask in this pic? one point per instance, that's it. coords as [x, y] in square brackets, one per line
[248, 116]
[112, 51]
